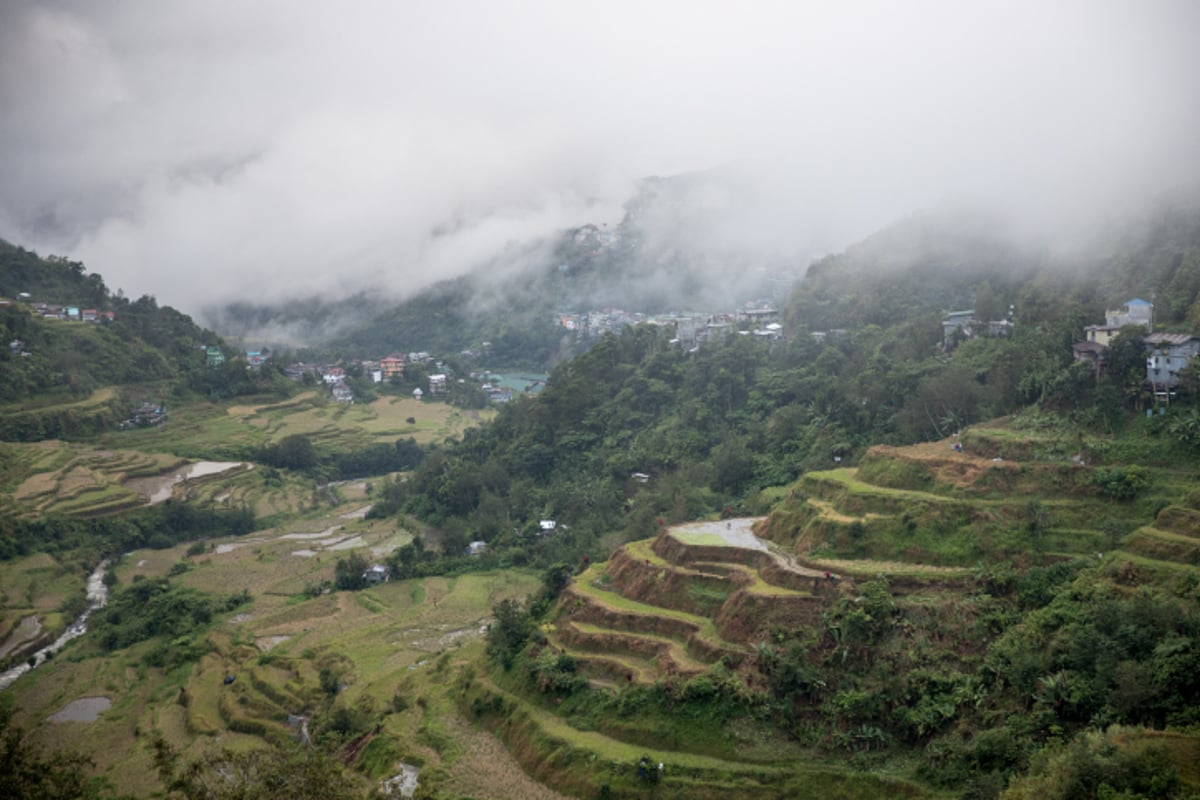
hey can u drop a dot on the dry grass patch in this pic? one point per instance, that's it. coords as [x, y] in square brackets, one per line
[488, 771]
[870, 567]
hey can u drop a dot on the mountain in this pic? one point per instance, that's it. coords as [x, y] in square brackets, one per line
[65, 336]
[924, 564]
[684, 243]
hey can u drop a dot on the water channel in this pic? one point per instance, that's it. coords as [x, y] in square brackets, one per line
[97, 595]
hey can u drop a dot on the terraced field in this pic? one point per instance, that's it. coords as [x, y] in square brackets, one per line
[1170, 543]
[695, 599]
[126, 469]
[678, 604]
[205, 430]
[406, 639]
[918, 512]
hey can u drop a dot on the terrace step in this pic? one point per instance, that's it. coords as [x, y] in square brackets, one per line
[551, 750]
[658, 655]
[1164, 545]
[1179, 519]
[586, 603]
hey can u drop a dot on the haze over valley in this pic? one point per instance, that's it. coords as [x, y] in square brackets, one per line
[225, 153]
[444, 400]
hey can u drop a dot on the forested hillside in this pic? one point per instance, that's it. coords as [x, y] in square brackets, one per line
[716, 427]
[671, 250]
[936, 262]
[980, 574]
[46, 361]
[1023, 581]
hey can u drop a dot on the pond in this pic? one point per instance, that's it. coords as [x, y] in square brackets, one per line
[85, 709]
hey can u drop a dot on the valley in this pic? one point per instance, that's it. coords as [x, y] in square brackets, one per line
[889, 549]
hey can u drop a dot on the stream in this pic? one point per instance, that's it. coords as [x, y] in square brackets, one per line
[97, 595]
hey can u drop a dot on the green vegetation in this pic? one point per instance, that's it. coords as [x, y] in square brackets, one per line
[29, 773]
[177, 617]
[157, 526]
[982, 576]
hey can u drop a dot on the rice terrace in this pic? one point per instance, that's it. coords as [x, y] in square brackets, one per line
[664, 620]
[491, 457]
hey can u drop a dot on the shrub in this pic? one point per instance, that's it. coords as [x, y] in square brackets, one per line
[1121, 483]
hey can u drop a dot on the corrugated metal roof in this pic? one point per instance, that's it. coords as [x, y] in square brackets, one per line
[1168, 338]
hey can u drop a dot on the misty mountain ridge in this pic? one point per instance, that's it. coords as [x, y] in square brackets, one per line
[684, 242]
[711, 240]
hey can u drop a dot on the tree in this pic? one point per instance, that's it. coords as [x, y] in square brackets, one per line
[508, 634]
[348, 573]
[294, 772]
[1186, 427]
[291, 452]
[1125, 360]
[1095, 764]
[989, 303]
[733, 464]
[28, 774]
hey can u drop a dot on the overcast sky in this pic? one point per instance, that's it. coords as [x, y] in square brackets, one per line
[203, 151]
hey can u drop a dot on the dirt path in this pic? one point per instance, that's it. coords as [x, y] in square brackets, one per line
[790, 563]
[487, 770]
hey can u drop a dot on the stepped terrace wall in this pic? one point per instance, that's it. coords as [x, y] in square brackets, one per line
[667, 585]
[1177, 519]
[927, 468]
[584, 609]
[742, 617]
[602, 641]
[709, 558]
[747, 618]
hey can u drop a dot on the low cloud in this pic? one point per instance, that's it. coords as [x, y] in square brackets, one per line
[219, 151]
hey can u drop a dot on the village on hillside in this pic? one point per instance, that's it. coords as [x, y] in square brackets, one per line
[1167, 354]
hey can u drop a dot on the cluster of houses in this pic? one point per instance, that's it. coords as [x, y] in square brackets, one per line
[960, 325]
[757, 318]
[388, 368]
[71, 313]
[1167, 354]
[147, 415]
[64, 312]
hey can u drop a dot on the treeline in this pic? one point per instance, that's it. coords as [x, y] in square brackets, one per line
[636, 430]
[452, 316]
[297, 452]
[61, 422]
[52, 279]
[176, 616]
[158, 526]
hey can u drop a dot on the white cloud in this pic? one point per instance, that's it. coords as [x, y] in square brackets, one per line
[193, 150]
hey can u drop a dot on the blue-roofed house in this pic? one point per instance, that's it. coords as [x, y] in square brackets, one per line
[1135, 312]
